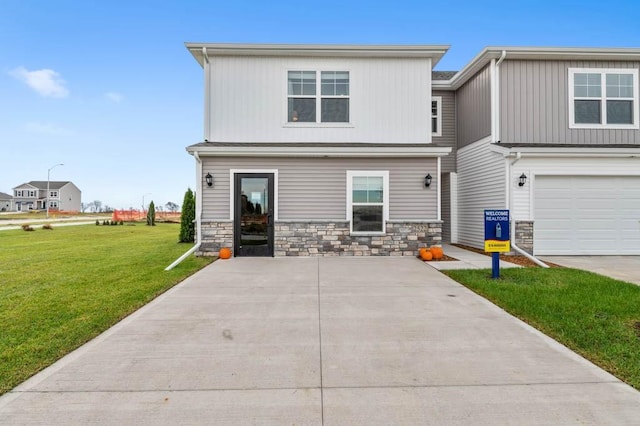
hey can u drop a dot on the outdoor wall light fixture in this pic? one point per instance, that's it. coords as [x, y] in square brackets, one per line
[522, 180]
[427, 180]
[209, 179]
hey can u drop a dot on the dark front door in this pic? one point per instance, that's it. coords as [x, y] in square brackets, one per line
[253, 226]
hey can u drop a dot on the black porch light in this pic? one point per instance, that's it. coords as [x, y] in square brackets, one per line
[522, 180]
[427, 180]
[209, 179]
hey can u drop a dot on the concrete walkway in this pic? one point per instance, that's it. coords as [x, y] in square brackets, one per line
[310, 341]
[466, 260]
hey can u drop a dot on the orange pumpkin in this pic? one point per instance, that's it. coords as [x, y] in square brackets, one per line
[437, 252]
[422, 250]
[224, 253]
[426, 255]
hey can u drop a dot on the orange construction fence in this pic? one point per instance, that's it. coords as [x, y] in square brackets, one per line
[135, 215]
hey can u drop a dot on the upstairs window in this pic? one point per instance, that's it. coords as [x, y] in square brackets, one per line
[32, 194]
[18, 193]
[305, 106]
[603, 98]
[436, 116]
[53, 193]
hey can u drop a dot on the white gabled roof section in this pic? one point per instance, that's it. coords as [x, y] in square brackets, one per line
[536, 53]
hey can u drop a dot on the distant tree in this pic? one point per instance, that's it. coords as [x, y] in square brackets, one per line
[96, 206]
[107, 208]
[172, 207]
[83, 207]
[151, 214]
[187, 225]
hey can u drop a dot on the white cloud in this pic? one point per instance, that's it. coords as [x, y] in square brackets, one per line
[114, 96]
[45, 82]
[46, 129]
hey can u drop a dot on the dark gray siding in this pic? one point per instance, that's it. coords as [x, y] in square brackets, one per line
[448, 133]
[315, 188]
[534, 107]
[473, 103]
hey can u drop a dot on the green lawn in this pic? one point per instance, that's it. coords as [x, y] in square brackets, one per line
[596, 316]
[60, 288]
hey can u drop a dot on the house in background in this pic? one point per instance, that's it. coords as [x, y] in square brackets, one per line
[63, 195]
[365, 150]
[6, 202]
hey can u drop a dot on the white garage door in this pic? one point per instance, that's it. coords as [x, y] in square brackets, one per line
[587, 215]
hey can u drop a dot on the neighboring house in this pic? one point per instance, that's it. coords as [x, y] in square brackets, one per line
[32, 195]
[553, 135]
[325, 150]
[6, 202]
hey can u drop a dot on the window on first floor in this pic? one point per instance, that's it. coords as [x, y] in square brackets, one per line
[436, 116]
[367, 201]
[603, 98]
[318, 96]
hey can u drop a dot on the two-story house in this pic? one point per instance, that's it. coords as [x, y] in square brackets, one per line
[63, 195]
[365, 150]
[6, 202]
[553, 135]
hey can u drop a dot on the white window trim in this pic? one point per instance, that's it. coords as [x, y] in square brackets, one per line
[603, 98]
[438, 101]
[385, 198]
[318, 96]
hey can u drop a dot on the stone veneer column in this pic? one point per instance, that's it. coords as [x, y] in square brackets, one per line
[524, 235]
[215, 235]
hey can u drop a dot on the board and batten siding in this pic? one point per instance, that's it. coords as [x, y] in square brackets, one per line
[481, 185]
[388, 97]
[473, 103]
[534, 104]
[448, 133]
[315, 188]
[523, 197]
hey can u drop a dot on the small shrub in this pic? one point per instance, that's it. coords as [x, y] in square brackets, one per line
[121, 222]
[114, 223]
[105, 223]
[26, 227]
[47, 226]
[97, 222]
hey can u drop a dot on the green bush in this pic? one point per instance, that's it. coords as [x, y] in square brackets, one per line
[151, 214]
[187, 225]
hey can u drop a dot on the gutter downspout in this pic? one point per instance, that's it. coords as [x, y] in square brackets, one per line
[198, 215]
[513, 222]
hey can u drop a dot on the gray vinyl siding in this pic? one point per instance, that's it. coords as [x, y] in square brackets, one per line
[534, 104]
[481, 185]
[315, 188]
[446, 207]
[473, 103]
[448, 138]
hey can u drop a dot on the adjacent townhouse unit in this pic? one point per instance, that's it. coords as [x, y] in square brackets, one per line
[6, 202]
[366, 150]
[63, 195]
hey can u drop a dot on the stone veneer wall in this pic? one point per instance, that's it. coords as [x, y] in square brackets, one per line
[215, 235]
[524, 235]
[334, 239]
[312, 238]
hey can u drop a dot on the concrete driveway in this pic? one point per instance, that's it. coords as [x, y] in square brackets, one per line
[335, 341]
[625, 268]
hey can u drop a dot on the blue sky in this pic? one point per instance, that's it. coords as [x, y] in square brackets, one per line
[108, 89]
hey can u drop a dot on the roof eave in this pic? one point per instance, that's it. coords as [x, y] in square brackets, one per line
[434, 52]
[315, 151]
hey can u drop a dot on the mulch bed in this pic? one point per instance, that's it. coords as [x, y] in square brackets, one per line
[517, 259]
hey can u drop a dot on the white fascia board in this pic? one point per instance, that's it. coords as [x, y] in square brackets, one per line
[270, 151]
[435, 52]
[567, 152]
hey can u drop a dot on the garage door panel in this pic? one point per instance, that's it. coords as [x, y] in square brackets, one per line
[587, 215]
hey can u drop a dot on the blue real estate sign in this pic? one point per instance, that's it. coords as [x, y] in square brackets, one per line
[496, 231]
